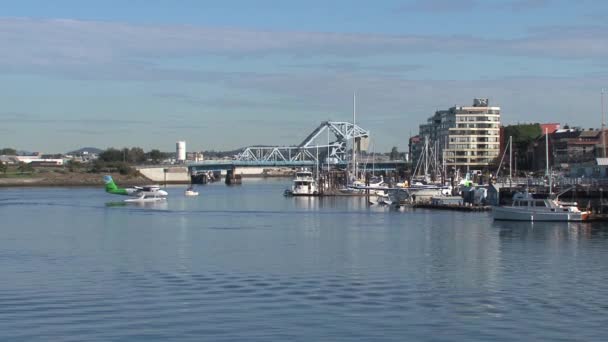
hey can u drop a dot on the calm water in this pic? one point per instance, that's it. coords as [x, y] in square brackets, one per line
[246, 264]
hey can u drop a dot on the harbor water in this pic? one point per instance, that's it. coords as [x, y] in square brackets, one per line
[245, 263]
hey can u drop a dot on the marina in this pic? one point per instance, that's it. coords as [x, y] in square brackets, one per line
[412, 170]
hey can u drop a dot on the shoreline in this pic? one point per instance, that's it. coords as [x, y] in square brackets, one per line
[95, 180]
[79, 184]
[72, 179]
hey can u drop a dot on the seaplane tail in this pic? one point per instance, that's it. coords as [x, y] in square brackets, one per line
[112, 188]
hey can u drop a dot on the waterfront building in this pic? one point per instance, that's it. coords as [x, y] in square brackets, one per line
[415, 148]
[597, 168]
[549, 127]
[467, 137]
[568, 146]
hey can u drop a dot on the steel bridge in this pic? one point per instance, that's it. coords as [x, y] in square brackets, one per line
[333, 148]
[222, 165]
[326, 143]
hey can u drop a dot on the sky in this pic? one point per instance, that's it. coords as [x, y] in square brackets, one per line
[227, 74]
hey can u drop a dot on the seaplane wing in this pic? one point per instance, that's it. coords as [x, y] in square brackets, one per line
[148, 188]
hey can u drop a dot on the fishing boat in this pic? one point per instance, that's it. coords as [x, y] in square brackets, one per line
[527, 208]
[303, 185]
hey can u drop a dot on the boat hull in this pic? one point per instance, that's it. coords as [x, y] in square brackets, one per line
[509, 214]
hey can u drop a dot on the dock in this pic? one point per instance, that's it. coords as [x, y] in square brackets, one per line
[467, 208]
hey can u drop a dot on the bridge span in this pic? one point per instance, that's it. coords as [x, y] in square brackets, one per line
[224, 165]
[330, 143]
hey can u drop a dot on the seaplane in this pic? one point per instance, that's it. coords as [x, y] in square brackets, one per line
[142, 194]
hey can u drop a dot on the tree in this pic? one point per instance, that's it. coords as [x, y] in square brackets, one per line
[155, 155]
[523, 139]
[394, 155]
[136, 155]
[73, 165]
[97, 166]
[125, 169]
[3, 167]
[25, 167]
[133, 155]
[8, 151]
[111, 155]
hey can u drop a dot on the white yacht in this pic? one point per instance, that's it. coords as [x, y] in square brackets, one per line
[303, 185]
[376, 187]
[527, 208]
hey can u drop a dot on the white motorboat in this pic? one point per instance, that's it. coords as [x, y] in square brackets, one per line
[527, 208]
[303, 185]
[191, 192]
[417, 193]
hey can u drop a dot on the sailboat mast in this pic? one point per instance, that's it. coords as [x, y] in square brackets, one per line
[603, 124]
[546, 153]
[510, 157]
[374, 160]
[426, 156]
[327, 158]
[547, 157]
[354, 134]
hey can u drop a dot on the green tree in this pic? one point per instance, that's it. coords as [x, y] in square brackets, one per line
[3, 167]
[136, 155]
[25, 167]
[125, 169]
[155, 155]
[8, 151]
[133, 155]
[111, 155]
[97, 166]
[73, 165]
[394, 155]
[524, 137]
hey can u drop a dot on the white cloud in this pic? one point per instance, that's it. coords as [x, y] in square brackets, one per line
[53, 44]
[392, 103]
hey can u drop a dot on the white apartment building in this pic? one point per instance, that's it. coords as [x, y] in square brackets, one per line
[468, 137]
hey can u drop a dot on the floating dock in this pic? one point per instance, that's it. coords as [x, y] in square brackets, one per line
[468, 208]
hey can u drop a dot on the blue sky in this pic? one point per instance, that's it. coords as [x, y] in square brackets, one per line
[226, 74]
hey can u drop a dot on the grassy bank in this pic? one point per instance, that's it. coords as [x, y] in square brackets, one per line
[65, 177]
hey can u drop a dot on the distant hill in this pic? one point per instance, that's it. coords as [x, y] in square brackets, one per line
[89, 150]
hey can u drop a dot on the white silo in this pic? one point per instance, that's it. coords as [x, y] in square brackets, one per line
[180, 151]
